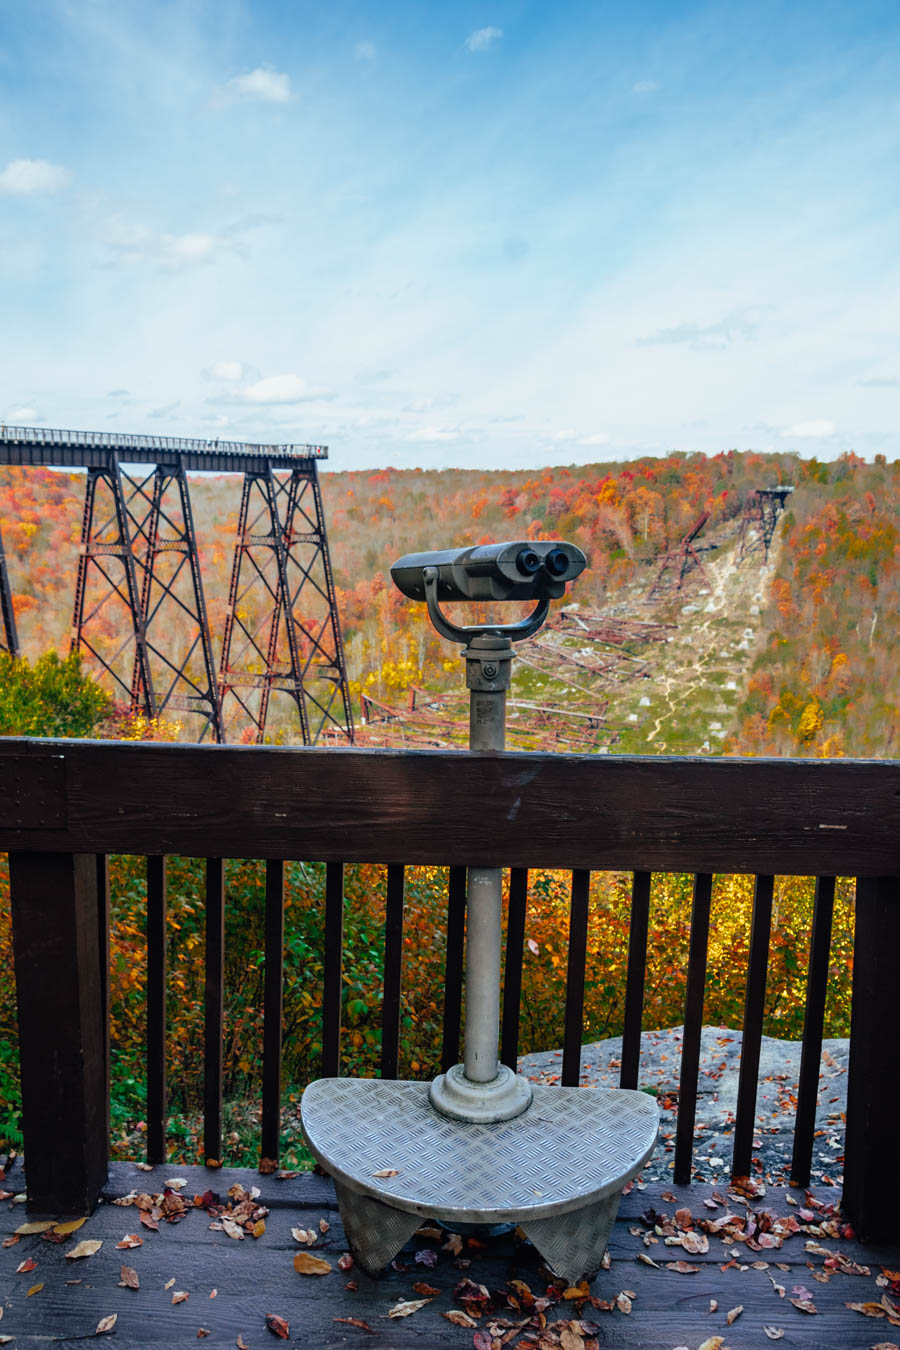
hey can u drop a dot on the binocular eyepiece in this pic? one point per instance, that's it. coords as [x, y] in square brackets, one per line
[519, 570]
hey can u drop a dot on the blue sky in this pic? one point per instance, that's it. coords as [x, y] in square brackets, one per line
[489, 235]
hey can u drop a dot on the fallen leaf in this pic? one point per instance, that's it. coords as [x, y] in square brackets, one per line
[623, 1303]
[426, 1290]
[356, 1322]
[203, 1331]
[460, 1319]
[128, 1278]
[695, 1244]
[241, 1344]
[168, 1284]
[148, 1220]
[714, 1343]
[454, 1244]
[180, 1296]
[533, 947]
[106, 1324]
[324, 1225]
[87, 1247]
[387, 1172]
[647, 1260]
[407, 1306]
[682, 1267]
[734, 1314]
[867, 1309]
[886, 1345]
[64, 1229]
[144, 1167]
[258, 1228]
[35, 1289]
[345, 1261]
[482, 1340]
[305, 1236]
[175, 1183]
[267, 1166]
[25, 1266]
[213, 1292]
[234, 1230]
[11, 1241]
[713, 1305]
[774, 1333]
[130, 1240]
[804, 1304]
[35, 1226]
[576, 1291]
[570, 1340]
[278, 1326]
[306, 1264]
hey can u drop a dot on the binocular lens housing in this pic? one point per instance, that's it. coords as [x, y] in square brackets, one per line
[556, 562]
[528, 562]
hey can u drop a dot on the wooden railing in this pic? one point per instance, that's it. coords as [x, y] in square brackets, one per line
[66, 805]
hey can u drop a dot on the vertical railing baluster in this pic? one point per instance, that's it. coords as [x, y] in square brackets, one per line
[813, 1028]
[393, 962]
[103, 916]
[453, 970]
[751, 1038]
[332, 998]
[638, 929]
[512, 970]
[214, 1009]
[157, 876]
[575, 968]
[693, 1025]
[273, 996]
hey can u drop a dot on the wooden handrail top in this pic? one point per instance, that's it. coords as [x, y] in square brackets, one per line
[785, 816]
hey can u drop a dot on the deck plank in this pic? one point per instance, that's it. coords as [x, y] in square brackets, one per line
[256, 1277]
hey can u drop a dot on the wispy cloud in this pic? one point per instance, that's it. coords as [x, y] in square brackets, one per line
[431, 434]
[225, 370]
[365, 51]
[736, 327]
[881, 382]
[483, 38]
[25, 177]
[268, 86]
[274, 391]
[645, 87]
[23, 415]
[804, 430]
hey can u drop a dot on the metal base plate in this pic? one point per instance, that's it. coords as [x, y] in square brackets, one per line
[572, 1147]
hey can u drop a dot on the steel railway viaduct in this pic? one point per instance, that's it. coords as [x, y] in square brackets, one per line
[140, 609]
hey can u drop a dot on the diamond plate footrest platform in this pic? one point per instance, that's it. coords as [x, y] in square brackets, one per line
[557, 1170]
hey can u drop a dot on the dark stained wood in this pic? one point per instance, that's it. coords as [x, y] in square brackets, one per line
[813, 1026]
[62, 1033]
[871, 1174]
[273, 1000]
[634, 983]
[253, 1278]
[157, 907]
[751, 1039]
[803, 817]
[693, 1025]
[512, 969]
[453, 975]
[103, 918]
[393, 962]
[214, 1008]
[332, 994]
[575, 967]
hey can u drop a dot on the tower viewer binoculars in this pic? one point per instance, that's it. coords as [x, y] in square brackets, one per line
[518, 570]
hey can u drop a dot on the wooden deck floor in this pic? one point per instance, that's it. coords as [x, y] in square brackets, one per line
[255, 1277]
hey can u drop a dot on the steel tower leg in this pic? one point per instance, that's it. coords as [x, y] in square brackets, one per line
[183, 670]
[95, 548]
[8, 637]
[270, 643]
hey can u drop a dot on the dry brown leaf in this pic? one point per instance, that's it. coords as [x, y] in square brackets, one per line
[64, 1229]
[356, 1322]
[203, 1331]
[168, 1284]
[324, 1225]
[148, 1220]
[241, 1343]
[623, 1302]
[144, 1167]
[180, 1296]
[695, 1244]
[234, 1230]
[713, 1305]
[774, 1333]
[130, 1240]
[867, 1309]
[106, 1324]
[306, 1264]
[128, 1278]
[713, 1343]
[576, 1291]
[453, 1245]
[426, 1290]
[86, 1247]
[35, 1289]
[460, 1319]
[26, 1266]
[345, 1261]
[805, 1305]
[387, 1172]
[886, 1345]
[733, 1314]
[258, 1228]
[682, 1267]
[406, 1306]
[305, 1236]
[571, 1340]
[175, 1183]
[648, 1260]
[35, 1226]
[278, 1326]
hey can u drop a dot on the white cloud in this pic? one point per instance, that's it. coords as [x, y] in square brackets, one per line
[275, 389]
[365, 51]
[267, 85]
[22, 177]
[482, 38]
[434, 434]
[18, 415]
[225, 370]
[645, 87]
[598, 438]
[567, 434]
[818, 428]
